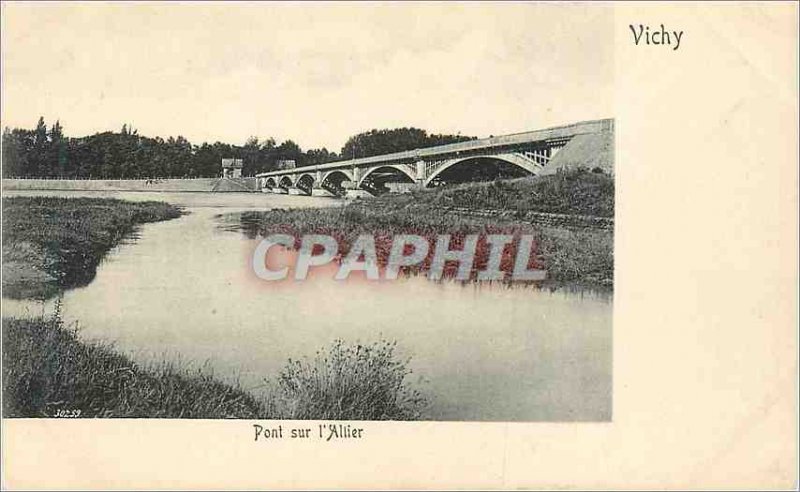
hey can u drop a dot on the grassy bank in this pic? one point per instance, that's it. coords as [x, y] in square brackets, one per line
[582, 257]
[50, 244]
[47, 370]
[577, 192]
[574, 256]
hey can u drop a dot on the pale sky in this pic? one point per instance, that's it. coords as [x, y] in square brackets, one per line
[315, 73]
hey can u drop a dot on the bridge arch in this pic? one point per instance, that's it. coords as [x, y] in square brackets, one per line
[332, 181]
[305, 182]
[305, 177]
[285, 182]
[397, 169]
[270, 182]
[337, 175]
[517, 162]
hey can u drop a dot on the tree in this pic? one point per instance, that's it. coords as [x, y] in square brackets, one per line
[290, 151]
[319, 156]
[17, 150]
[38, 158]
[377, 142]
[56, 132]
[251, 157]
[57, 152]
[39, 152]
[40, 134]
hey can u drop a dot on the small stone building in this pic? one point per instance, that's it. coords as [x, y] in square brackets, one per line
[232, 168]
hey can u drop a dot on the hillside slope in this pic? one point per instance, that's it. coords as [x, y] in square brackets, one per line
[590, 151]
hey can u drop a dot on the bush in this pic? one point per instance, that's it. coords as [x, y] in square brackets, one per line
[346, 382]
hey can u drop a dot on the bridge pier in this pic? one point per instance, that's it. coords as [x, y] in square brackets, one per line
[322, 192]
[357, 173]
[297, 191]
[402, 187]
[420, 176]
[352, 193]
[280, 191]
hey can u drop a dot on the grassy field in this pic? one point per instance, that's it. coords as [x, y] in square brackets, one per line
[50, 244]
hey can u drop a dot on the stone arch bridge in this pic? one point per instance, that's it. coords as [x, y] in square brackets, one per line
[587, 144]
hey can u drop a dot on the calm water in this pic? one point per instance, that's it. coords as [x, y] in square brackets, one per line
[185, 290]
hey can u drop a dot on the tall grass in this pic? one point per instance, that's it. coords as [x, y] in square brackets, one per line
[582, 257]
[359, 382]
[47, 368]
[575, 256]
[574, 192]
[578, 257]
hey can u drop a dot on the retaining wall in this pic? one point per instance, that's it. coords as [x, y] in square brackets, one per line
[196, 184]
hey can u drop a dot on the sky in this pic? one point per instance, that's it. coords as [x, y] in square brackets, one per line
[315, 73]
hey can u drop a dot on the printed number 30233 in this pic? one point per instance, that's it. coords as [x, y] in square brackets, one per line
[61, 413]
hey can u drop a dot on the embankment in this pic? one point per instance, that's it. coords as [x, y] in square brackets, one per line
[50, 243]
[574, 257]
[48, 371]
[171, 185]
[578, 192]
[570, 214]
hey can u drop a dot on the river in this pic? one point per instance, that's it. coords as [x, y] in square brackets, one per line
[184, 290]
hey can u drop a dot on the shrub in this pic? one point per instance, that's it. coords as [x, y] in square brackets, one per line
[348, 382]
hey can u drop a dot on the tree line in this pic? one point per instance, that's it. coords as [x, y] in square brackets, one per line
[47, 153]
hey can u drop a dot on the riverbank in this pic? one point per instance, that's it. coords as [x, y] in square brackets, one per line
[574, 256]
[51, 244]
[576, 192]
[48, 371]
